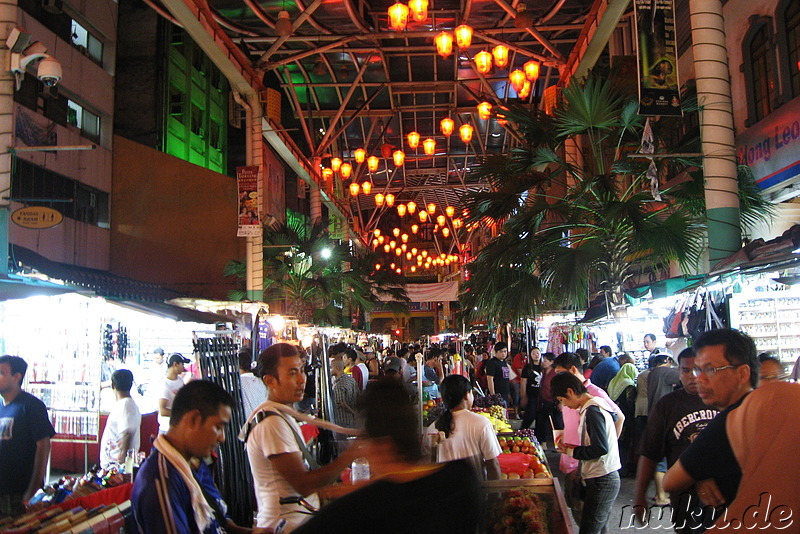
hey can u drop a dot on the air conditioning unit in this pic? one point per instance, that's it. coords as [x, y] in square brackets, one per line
[56, 7]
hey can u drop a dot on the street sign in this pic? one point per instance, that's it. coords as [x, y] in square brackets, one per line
[37, 217]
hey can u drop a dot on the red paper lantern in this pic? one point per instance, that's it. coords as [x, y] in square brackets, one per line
[444, 44]
[463, 36]
[500, 54]
[447, 126]
[465, 132]
[483, 62]
[398, 16]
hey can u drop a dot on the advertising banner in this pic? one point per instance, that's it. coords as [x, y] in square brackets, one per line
[771, 147]
[249, 217]
[659, 92]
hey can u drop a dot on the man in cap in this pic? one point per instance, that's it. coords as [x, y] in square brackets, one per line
[170, 386]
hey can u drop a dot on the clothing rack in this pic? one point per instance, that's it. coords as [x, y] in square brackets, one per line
[217, 357]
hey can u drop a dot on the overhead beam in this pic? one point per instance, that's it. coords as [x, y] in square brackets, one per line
[435, 187]
[319, 38]
[603, 19]
[536, 34]
[323, 145]
[295, 25]
[385, 112]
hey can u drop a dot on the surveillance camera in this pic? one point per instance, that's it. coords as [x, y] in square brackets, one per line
[49, 71]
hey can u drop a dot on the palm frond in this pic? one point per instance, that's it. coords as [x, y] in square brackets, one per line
[592, 105]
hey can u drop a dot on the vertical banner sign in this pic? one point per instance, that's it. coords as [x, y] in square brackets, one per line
[657, 63]
[249, 219]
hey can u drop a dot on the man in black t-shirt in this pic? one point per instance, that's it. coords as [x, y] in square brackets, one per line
[674, 423]
[498, 372]
[25, 433]
[726, 368]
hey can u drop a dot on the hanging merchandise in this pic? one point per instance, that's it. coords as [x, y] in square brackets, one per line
[263, 333]
[676, 323]
[115, 342]
[706, 313]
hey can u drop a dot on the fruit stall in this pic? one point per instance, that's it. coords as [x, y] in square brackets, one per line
[527, 498]
[526, 506]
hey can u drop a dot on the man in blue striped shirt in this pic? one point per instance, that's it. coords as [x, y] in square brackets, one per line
[174, 491]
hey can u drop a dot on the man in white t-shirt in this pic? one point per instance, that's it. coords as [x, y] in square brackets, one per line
[172, 383]
[274, 443]
[122, 427]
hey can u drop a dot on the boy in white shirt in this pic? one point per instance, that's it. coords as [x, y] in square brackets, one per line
[124, 420]
[598, 451]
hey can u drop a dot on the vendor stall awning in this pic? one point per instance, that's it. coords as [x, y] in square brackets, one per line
[22, 287]
[664, 288]
[176, 313]
[102, 283]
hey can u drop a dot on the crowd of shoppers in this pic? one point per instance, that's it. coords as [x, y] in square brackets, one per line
[720, 420]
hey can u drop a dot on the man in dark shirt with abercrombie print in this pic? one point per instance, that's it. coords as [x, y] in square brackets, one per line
[498, 372]
[726, 368]
[675, 421]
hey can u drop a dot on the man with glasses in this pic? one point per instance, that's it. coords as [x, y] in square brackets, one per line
[675, 421]
[726, 370]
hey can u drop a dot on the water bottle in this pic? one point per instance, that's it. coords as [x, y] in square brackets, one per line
[359, 470]
[130, 457]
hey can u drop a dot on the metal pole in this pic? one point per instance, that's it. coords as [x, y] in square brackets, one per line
[8, 20]
[418, 358]
[325, 391]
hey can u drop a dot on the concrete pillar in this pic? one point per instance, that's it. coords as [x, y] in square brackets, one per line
[716, 128]
[254, 248]
[8, 20]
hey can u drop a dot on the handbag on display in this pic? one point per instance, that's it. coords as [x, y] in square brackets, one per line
[675, 322]
[706, 316]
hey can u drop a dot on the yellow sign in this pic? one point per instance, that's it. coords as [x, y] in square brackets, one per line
[37, 217]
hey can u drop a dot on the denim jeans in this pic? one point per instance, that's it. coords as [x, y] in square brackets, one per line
[514, 387]
[600, 495]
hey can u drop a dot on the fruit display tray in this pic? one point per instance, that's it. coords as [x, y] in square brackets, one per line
[562, 522]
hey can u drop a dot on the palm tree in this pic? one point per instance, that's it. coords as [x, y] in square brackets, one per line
[571, 231]
[316, 277]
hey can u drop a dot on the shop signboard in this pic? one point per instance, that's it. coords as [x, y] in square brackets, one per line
[249, 218]
[37, 217]
[657, 59]
[771, 147]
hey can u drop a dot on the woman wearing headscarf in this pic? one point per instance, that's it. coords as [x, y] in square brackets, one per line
[622, 390]
[763, 434]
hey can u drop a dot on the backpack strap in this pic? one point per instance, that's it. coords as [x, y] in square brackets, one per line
[263, 414]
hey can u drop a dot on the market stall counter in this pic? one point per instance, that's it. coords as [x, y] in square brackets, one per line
[77, 457]
[526, 506]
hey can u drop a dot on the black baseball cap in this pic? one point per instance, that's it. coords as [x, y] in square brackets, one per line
[176, 357]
